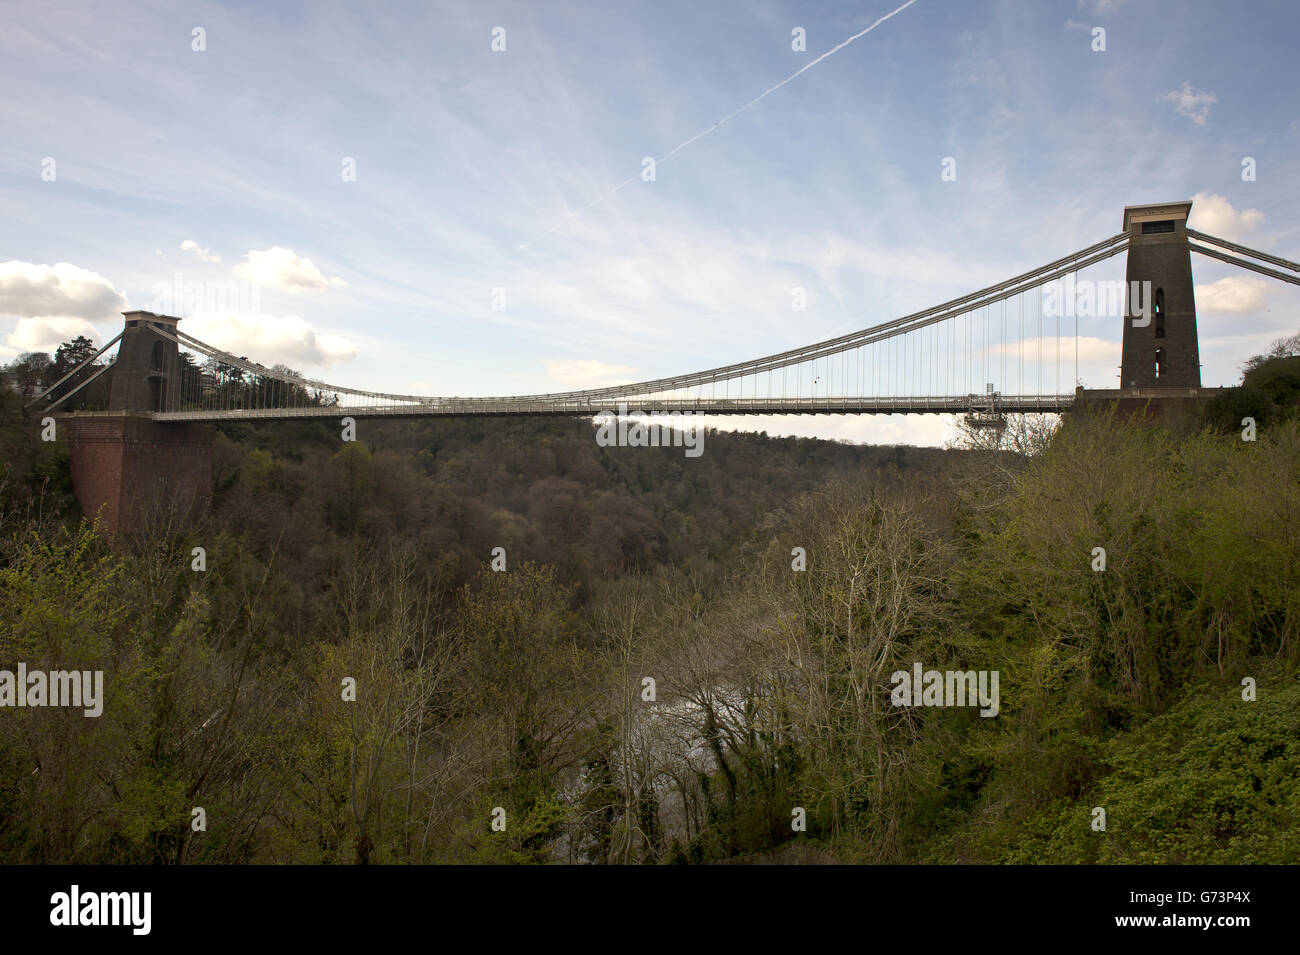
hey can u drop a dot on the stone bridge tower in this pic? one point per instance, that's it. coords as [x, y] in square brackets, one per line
[1162, 352]
[146, 374]
[129, 469]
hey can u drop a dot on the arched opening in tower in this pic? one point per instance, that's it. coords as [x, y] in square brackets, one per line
[157, 378]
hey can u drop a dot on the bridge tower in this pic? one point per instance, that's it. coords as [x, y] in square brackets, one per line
[1163, 351]
[146, 374]
[128, 468]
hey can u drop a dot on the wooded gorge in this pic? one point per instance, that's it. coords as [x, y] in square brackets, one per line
[505, 716]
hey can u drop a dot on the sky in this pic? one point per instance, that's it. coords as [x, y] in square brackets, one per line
[374, 195]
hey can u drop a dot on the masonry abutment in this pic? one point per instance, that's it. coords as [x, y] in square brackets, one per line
[127, 468]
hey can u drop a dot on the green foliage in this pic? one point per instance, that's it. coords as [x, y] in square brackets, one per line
[1269, 392]
[527, 836]
[519, 689]
[120, 787]
[1279, 379]
[258, 469]
[1226, 411]
[1216, 780]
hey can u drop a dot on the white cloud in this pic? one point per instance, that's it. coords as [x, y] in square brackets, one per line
[1193, 103]
[189, 245]
[270, 339]
[1091, 350]
[47, 334]
[1234, 295]
[586, 373]
[283, 268]
[1214, 214]
[1046, 364]
[60, 291]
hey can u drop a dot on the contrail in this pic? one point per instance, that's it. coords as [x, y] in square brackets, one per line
[700, 135]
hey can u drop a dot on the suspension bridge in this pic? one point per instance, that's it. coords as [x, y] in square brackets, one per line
[995, 350]
[1007, 348]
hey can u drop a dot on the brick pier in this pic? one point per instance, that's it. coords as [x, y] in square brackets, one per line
[131, 470]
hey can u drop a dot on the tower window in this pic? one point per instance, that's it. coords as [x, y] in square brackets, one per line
[1164, 225]
[1160, 313]
[1160, 362]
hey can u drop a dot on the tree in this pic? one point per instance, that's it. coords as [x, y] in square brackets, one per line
[30, 372]
[1286, 347]
[71, 354]
[526, 673]
[68, 357]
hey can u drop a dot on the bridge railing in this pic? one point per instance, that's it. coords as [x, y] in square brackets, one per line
[958, 404]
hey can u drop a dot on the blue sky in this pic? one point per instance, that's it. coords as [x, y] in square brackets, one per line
[470, 164]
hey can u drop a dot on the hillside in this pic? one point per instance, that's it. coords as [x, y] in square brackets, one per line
[349, 680]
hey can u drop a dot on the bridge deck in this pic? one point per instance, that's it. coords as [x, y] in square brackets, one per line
[448, 407]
